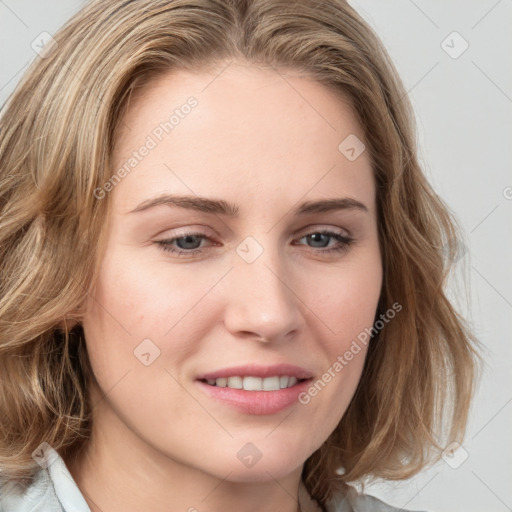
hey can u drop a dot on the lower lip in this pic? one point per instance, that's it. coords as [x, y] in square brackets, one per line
[256, 402]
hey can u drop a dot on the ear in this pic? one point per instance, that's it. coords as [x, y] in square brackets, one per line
[67, 323]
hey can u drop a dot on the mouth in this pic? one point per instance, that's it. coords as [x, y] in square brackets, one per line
[253, 383]
[256, 390]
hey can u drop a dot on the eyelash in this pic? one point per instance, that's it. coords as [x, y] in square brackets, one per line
[344, 240]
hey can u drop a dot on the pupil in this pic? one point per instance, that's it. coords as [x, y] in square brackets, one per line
[189, 239]
[316, 237]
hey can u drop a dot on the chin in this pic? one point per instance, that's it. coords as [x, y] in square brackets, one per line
[261, 473]
[251, 464]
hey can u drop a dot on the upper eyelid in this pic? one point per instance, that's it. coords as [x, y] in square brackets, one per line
[316, 229]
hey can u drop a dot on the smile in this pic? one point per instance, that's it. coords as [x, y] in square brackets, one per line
[251, 383]
[255, 389]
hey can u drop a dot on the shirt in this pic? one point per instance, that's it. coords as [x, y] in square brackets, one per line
[54, 490]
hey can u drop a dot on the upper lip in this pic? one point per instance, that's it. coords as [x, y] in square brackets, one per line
[255, 370]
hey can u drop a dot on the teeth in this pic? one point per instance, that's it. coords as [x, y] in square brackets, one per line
[250, 383]
[235, 382]
[269, 384]
[253, 384]
[222, 382]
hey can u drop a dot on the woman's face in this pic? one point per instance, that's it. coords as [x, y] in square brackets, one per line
[232, 282]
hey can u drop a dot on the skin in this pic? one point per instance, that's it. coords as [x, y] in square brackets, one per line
[265, 141]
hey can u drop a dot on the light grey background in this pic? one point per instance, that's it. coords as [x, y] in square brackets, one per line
[464, 111]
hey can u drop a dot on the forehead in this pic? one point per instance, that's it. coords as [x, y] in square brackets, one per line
[251, 132]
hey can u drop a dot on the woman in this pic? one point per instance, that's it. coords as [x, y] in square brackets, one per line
[222, 268]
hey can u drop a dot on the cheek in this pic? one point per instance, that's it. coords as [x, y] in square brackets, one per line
[138, 295]
[136, 299]
[346, 300]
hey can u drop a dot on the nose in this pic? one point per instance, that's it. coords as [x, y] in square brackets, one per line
[261, 303]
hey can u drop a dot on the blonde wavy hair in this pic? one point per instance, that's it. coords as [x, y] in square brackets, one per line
[57, 134]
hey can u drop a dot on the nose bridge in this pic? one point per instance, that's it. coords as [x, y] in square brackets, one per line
[261, 300]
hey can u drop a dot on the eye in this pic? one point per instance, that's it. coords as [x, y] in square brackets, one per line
[321, 239]
[189, 244]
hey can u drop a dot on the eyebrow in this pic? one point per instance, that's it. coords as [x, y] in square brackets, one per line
[221, 207]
